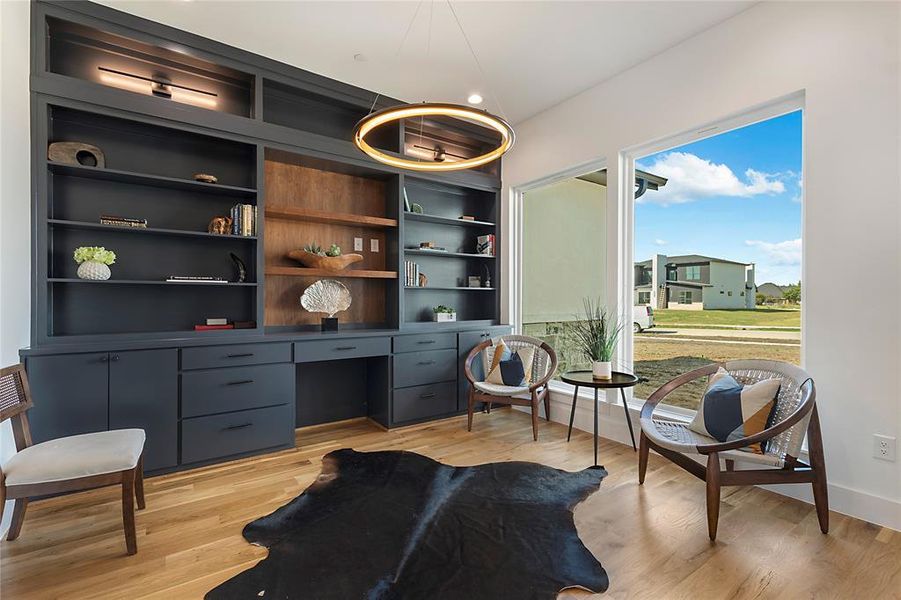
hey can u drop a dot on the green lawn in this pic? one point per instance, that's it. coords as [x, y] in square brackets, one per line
[761, 317]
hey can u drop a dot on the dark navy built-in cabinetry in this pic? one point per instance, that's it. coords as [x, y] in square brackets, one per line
[162, 106]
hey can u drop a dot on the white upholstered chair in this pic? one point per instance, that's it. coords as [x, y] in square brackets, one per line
[531, 393]
[68, 464]
[793, 417]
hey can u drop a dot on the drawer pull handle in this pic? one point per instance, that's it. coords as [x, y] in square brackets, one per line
[244, 355]
[425, 396]
[345, 348]
[426, 362]
[426, 342]
[242, 382]
[484, 334]
[234, 427]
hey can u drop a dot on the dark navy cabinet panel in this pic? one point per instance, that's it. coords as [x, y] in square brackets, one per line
[420, 368]
[341, 348]
[226, 390]
[218, 436]
[207, 357]
[424, 402]
[143, 393]
[424, 341]
[70, 394]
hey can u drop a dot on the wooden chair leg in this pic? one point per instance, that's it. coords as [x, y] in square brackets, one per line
[488, 407]
[713, 493]
[15, 526]
[818, 464]
[547, 403]
[128, 511]
[139, 483]
[469, 408]
[534, 416]
[643, 450]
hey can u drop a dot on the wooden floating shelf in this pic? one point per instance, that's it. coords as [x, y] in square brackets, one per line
[350, 273]
[152, 180]
[446, 220]
[145, 282]
[144, 230]
[446, 254]
[323, 216]
[459, 288]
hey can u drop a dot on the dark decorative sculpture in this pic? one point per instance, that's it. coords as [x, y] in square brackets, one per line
[398, 525]
[240, 267]
[76, 153]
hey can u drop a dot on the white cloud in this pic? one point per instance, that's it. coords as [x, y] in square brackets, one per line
[787, 253]
[659, 242]
[692, 178]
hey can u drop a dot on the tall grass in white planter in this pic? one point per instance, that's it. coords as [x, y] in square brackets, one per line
[596, 335]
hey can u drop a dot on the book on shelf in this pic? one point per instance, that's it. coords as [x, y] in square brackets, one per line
[213, 327]
[467, 218]
[411, 274]
[123, 221]
[244, 220]
[217, 321]
[485, 244]
[194, 279]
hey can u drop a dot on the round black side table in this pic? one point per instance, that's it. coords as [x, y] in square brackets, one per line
[618, 380]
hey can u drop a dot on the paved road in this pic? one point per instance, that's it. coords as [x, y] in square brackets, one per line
[737, 334]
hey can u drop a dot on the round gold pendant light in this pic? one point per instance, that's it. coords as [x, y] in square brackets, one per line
[394, 114]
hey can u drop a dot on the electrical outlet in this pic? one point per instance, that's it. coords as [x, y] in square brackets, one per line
[884, 447]
[373, 245]
[358, 244]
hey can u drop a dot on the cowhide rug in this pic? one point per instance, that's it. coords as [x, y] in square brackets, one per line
[398, 525]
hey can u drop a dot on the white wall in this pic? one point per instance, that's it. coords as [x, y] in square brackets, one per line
[15, 190]
[725, 278]
[845, 59]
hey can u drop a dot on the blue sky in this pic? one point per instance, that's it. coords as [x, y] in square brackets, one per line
[736, 196]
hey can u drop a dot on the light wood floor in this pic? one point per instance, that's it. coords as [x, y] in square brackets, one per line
[651, 539]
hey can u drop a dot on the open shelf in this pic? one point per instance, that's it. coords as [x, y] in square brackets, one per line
[411, 216]
[146, 282]
[350, 274]
[443, 253]
[446, 288]
[144, 230]
[312, 215]
[147, 179]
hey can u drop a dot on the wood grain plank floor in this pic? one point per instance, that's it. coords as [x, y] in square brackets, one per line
[651, 539]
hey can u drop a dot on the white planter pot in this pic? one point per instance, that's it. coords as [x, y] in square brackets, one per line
[602, 369]
[91, 269]
[445, 317]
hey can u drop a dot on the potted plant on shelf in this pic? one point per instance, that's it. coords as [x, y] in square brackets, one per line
[444, 314]
[93, 262]
[596, 336]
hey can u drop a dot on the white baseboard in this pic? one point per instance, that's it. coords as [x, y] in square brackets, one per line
[612, 426]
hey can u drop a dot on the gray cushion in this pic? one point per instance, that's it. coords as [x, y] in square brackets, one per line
[76, 456]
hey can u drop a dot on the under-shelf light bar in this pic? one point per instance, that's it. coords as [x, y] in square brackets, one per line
[158, 87]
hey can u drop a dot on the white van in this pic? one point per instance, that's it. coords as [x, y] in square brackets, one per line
[642, 318]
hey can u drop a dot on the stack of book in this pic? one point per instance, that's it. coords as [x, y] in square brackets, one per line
[123, 221]
[411, 274]
[485, 244]
[244, 219]
[220, 323]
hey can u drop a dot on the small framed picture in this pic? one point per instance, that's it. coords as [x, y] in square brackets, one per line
[475, 281]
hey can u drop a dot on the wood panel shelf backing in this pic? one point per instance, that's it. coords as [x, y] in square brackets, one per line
[309, 203]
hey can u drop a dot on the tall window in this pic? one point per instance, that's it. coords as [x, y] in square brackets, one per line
[731, 207]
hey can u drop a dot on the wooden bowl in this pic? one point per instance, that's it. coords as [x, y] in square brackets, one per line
[329, 263]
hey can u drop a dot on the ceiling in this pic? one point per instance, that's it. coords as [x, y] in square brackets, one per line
[533, 54]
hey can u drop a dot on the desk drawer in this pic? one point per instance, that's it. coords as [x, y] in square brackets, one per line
[424, 401]
[207, 357]
[425, 341]
[226, 390]
[342, 348]
[206, 438]
[420, 368]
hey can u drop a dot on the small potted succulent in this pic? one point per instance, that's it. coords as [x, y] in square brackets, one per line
[596, 336]
[93, 262]
[315, 257]
[444, 314]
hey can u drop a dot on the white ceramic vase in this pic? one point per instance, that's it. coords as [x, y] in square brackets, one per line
[602, 369]
[91, 269]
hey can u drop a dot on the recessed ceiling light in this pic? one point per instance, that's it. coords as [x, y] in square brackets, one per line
[474, 99]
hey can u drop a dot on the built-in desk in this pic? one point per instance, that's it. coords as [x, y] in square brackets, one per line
[204, 400]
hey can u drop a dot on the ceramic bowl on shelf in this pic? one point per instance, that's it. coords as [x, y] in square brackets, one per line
[329, 263]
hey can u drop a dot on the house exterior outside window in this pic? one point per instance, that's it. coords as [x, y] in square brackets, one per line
[684, 297]
[644, 297]
[693, 273]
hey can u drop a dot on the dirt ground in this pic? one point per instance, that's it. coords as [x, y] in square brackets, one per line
[658, 361]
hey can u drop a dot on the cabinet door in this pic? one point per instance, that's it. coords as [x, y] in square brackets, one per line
[143, 393]
[69, 393]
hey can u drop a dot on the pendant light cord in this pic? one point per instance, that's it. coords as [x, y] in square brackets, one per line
[401, 45]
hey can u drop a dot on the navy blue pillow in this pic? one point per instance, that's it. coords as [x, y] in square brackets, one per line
[512, 370]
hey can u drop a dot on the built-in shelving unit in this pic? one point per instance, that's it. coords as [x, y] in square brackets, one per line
[447, 254]
[411, 216]
[324, 216]
[107, 174]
